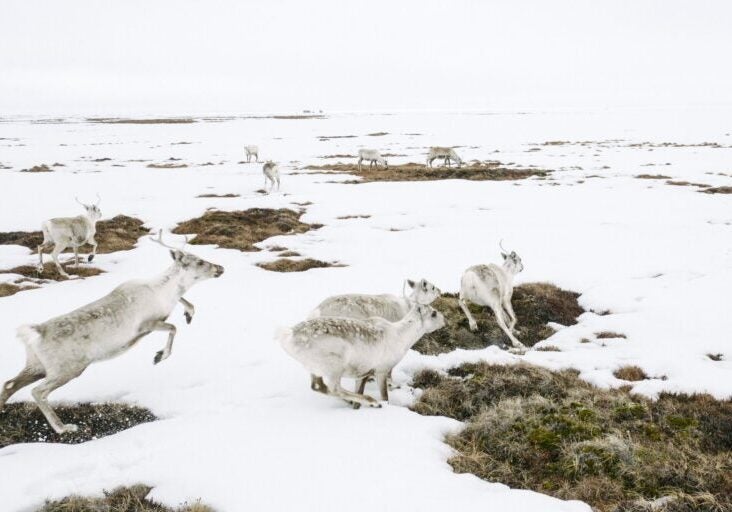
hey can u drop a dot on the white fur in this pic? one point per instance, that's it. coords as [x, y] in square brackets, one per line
[372, 156]
[447, 154]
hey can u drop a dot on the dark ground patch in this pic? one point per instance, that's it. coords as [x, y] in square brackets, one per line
[23, 422]
[167, 165]
[242, 229]
[122, 499]
[483, 171]
[377, 134]
[605, 335]
[717, 190]
[653, 177]
[165, 120]
[119, 233]
[346, 217]
[50, 272]
[218, 195]
[339, 155]
[551, 432]
[535, 305]
[631, 373]
[38, 168]
[289, 265]
[678, 183]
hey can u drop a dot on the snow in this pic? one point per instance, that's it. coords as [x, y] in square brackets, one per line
[240, 427]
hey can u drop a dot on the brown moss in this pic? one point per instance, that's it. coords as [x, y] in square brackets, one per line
[38, 168]
[166, 120]
[22, 422]
[121, 499]
[242, 229]
[481, 171]
[51, 272]
[167, 165]
[219, 195]
[288, 265]
[553, 433]
[653, 177]
[535, 305]
[717, 190]
[631, 373]
[604, 335]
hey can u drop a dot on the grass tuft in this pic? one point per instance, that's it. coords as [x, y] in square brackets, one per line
[288, 265]
[242, 229]
[551, 432]
[631, 373]
[121, 499]
[23, 422]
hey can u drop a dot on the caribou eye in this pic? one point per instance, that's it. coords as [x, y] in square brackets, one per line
[200, 263]
[434, 314]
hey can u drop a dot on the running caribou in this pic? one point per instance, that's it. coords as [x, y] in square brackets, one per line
[60, 349]
[492, 285]
[272, 174]
[63, 232]
[333, 348]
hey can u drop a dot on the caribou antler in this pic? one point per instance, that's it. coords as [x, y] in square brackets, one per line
[500, 244]
[77, 200]
[99, 199]
[159, 240]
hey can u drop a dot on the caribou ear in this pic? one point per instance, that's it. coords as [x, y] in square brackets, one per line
[504, 255]
[410, 283]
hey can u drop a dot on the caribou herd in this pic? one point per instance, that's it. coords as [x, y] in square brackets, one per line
[353, 336]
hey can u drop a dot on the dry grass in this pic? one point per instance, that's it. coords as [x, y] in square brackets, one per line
[51, 272]
[23, 422]
[289, 254]
[298, 116]
[242, 229]
[717, 190]
[551, 432]
[345, 217]
[631, 373]
[677, 183]
[167, 165]
[218, 195]
[378, 134]
[165, 120]
[288, 265]
[38, 168]
[338, 155]
[484, 171]
[122, 499]
[604, 335]
[653, 177]
[535, 305]
[119, 233]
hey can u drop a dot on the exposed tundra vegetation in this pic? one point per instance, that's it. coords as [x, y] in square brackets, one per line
[121, 499]
[285, 264]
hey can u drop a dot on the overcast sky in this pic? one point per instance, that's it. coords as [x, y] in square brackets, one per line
[185, 56]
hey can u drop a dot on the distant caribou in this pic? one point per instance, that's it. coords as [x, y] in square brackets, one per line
[272, 174]
[63, 232]
[492, 286]
[252, 151]
[61, 348]
[447, 154]
[373, 157]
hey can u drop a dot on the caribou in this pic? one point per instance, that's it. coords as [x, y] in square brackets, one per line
[492, 285]
[447, 154]
[373, 157]
[60, 349]
[272, 174]
[252, 151]
[63, 232]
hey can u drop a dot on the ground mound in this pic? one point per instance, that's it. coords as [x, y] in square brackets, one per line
[122, 499]
[535, 304]
[290, 265]
[551, 432]
[23, 422]
[38, 168]
[242, 229]
[50, 272]
[476, 171]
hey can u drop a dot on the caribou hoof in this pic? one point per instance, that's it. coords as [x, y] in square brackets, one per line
[188, 316]
[158, 357]
[90, 258]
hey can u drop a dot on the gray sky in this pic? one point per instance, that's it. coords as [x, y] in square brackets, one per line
[185, 56]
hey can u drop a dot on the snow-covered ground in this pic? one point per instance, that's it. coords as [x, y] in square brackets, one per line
[240, 427]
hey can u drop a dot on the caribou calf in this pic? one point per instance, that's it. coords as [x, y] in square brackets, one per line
[492, 286]
[447, 154]
[373, 157]
[61, 348]
[63, 232]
